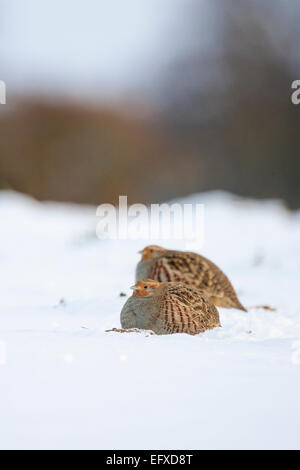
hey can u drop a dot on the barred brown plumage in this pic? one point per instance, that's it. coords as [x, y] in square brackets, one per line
[191, 269]
[168, 307]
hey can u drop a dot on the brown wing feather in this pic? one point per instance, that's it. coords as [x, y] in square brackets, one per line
[186, 310]
[199, 272]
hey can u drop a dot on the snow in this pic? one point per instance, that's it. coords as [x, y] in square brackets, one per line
[66, 383]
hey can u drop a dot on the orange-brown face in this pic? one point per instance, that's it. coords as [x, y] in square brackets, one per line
[144, 288]
[151, 251]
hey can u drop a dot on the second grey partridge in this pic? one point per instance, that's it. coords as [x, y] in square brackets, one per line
[191, 269]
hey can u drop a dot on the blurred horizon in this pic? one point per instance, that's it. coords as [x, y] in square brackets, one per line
[156, 99]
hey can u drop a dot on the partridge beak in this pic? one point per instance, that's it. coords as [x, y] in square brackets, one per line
[134, 287]
[141, 252]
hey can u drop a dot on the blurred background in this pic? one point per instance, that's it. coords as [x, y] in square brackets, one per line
[155, 99]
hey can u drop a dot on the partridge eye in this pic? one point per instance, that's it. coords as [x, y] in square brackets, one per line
[145, 287]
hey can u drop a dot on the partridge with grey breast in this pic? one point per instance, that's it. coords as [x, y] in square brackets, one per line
[168, 307]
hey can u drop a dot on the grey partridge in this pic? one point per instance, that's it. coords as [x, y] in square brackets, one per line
[168, 307]
[191, 269]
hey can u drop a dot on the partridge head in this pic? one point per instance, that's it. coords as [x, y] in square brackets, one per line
[151, 251]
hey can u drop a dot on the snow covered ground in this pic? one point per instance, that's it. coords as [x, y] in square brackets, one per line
[66, 383]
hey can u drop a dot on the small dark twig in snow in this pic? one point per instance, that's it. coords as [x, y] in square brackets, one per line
[131, 330]
[264, 307]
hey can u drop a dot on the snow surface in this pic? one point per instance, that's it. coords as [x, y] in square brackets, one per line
[66, 383]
